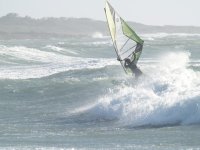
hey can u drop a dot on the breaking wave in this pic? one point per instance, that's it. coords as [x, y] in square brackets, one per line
[164, 35]
[24, 63]
[167, 95]
[60, 49]
[99, 35]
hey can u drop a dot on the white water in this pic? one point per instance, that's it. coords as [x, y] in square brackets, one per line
[167, 95]
[35, 113]
[154, 36]
[99, 35]
[41, 63]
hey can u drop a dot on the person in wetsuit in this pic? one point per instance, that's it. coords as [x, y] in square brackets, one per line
[130, 64]
[135, 70]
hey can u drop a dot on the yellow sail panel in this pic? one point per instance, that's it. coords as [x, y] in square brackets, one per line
[109, 14]
[127, 43]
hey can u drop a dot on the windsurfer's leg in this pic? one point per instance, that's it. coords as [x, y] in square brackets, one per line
[137, 73]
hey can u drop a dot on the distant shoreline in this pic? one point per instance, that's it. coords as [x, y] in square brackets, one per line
[14, 26]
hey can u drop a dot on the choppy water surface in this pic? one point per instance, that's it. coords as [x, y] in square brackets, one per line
[73, 94]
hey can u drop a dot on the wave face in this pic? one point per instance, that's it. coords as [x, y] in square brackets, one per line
[72, 93]
[168, 94]
[25, 63]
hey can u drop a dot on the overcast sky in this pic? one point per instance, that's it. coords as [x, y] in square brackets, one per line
[151, 12]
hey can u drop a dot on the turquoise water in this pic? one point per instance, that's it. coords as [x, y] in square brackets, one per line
[73, 94]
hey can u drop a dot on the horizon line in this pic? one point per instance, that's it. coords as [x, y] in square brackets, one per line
[64, 17]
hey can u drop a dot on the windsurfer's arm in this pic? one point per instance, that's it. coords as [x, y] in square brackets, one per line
[119, 59]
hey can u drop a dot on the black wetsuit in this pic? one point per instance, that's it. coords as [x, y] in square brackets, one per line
[128, 64]
[135, 70]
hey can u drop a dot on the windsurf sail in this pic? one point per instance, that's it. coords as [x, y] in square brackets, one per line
[127, 43]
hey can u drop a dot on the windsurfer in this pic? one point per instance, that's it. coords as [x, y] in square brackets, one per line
[135, 70]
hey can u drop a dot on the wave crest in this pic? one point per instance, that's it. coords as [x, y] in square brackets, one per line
[169, 95]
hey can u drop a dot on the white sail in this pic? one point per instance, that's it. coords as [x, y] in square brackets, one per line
[127, 43]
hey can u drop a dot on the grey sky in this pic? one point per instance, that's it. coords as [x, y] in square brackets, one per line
[152, 12]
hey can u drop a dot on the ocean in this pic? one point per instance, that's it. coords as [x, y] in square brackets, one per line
[72, 94]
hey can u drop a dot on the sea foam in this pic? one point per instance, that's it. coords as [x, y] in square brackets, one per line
[153, 36]
[167, 95]
[34, 63]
